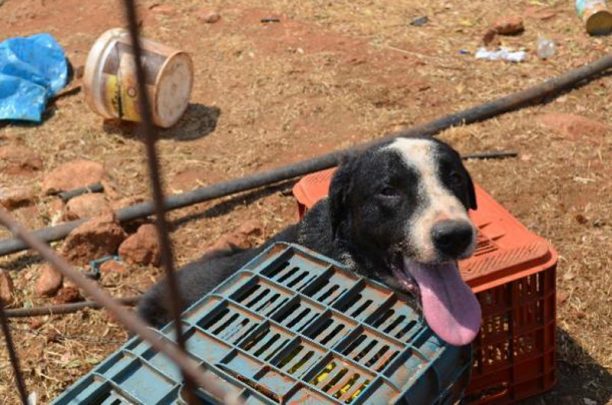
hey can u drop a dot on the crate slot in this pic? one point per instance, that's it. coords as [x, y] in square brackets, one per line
[396, 319]
[265, 342]
[330, 286]
[297, 314]
[362, 300]
[330, 329]
[341, 380]
[296, 272]
[370, 350]
[261, 296]
[297, 358]
[228, 323]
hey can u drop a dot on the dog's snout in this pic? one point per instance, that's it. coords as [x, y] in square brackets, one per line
[451, 237]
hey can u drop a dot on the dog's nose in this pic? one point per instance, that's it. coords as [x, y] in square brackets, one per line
[451, 237]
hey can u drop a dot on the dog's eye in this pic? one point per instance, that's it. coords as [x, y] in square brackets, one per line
[455, 177]
[388, 191]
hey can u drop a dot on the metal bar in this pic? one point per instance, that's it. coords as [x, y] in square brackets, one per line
[502, 154]
[174, 301]
[549, 88]
[10, 347]
[61, 309]
[129, 321]
[92, 188]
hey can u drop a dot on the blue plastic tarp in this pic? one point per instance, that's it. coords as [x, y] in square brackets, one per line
[32, 70]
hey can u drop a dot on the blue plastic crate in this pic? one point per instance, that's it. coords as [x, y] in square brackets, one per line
[292, 326]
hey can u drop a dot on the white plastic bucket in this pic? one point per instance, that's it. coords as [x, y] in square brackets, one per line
[110, 84]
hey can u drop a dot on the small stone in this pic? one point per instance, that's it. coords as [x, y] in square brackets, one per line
[575, 126]
[112, 266]
[509, 25]
[562, 296]
[142, 247]
[242, 238]
[15, 197]
[165, 9]
[36, 323]
[209, 17]
[6, 288]
[87, 206]
[19, 160]
[71, 175]
[581, 219]
[68, 294]
[98, 237]
[49, 281]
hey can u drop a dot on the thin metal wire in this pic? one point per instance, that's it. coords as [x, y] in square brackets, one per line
[129, 321]
[174, 300]
[10, 347]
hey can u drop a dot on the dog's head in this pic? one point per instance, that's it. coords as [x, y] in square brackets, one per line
[405, 206]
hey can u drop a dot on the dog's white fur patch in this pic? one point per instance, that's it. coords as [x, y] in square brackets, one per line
[436, 202]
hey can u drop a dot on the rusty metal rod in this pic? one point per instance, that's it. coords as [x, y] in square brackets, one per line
[13, 357]
[61, 309]
[130, 321]
[484, 111]
[174, 301]
[500, 154]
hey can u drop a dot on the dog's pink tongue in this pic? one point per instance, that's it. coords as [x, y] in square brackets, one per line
[449, 305]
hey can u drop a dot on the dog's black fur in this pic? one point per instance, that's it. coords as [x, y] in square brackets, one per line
[373, 195]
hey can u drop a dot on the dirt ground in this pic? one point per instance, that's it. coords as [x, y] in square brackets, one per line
[326, 76]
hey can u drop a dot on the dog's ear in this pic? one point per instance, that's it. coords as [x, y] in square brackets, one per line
[339, 189]
[471, 191]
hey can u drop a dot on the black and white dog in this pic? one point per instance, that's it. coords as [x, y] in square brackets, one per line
[396, 213]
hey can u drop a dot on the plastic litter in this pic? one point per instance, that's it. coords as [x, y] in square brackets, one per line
[545, 48]
[502, 53]
[32, 70]
[596, 16]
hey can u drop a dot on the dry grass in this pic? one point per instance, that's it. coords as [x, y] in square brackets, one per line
[328, 76]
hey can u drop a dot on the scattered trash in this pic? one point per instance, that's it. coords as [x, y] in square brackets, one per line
[596, 16]
[502, 53]
[110, 83]
[419, 21]
[464, 52]
[270, 20]
[545, 48]
[32, 70]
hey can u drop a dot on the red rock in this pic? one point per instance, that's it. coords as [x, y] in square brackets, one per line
[19, 160]
[98, 237]
[164, 9]
[142, 247]
[209, 17]
[68, 294]
[6, 288]
[509, 25]
[15, 197]
[112, 266]
[562, 296]
[242, 238]
[49, 281]
[71, 175]
[87, 206]
[575, 126]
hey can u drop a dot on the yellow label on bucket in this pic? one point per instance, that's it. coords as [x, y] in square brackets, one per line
[121, 98]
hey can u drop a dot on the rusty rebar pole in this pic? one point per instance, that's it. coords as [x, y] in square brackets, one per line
[174, 301]
[13, 357]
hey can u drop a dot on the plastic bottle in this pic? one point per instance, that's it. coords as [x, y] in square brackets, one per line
[545, 48]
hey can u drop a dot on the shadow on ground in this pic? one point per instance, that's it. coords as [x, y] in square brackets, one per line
[580, 379]
[197, 122]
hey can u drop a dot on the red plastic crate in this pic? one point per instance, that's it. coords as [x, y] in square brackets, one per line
[512, 273]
